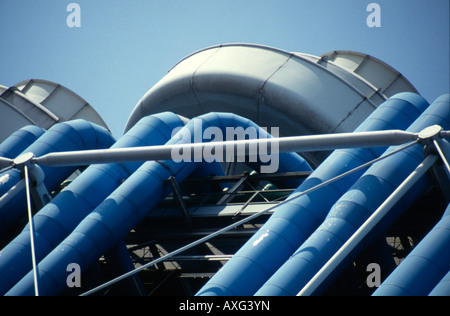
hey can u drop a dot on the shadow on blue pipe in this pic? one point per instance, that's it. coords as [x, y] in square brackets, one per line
[19, 141]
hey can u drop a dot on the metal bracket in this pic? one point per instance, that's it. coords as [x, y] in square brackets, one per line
[177, 194]
[232, 192]
[39, 193]
[429, 134]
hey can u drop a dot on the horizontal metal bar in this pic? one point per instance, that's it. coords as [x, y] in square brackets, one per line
[252, 148]
[199, 257]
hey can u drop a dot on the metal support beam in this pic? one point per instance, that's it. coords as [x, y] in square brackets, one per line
[245, 220]
[251, 148]
[443, 148]
[365, 229]
[32, 232]
[231, 193]
[4, 163]
[178, 197]
[37, 196]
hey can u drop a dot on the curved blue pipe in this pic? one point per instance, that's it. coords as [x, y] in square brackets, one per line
[60, 217]
[293, 222]
[20, 140]
[354, 207]
[112, 220]
[66, 136]
[287, 161]
[426, 265]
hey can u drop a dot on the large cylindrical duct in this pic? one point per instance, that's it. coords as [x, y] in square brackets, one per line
[301, 94]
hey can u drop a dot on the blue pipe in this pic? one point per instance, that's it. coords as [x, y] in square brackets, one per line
[60, 217]
[112, 220]
[20, 140]
[354, 207]
[424, 267]
[294, 221]
[288, 162]
[118, 262]
[66, 136]
[443, 287]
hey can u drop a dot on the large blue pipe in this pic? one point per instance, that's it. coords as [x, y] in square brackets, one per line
[226, 122]
[20, 140]
[294, 221]
[350, 212]
[424, 267]
[443, 287]
[60, 217]
[66, 136]
[112, 220]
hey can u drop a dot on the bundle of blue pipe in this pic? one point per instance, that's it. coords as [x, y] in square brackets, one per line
[66, 136]
[81, 223]
[108, 224]
[425, 271]
[355, 206]
[58, 219]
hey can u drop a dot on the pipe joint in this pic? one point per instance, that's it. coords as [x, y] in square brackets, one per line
[430, 133]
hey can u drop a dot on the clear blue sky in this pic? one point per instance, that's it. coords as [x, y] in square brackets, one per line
[124, 47]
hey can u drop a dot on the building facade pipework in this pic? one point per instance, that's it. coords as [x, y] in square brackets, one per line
[111, 221]
[20, 140]
[66, 136]
[427, 264]
[59, 218]
[354, 207]
[292, 223]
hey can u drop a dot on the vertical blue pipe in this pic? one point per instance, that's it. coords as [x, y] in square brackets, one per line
[66, 136]
[112, 220]
[354, 207]
[58, 218]
[424, 267]
[20, 140]
[293, 222]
